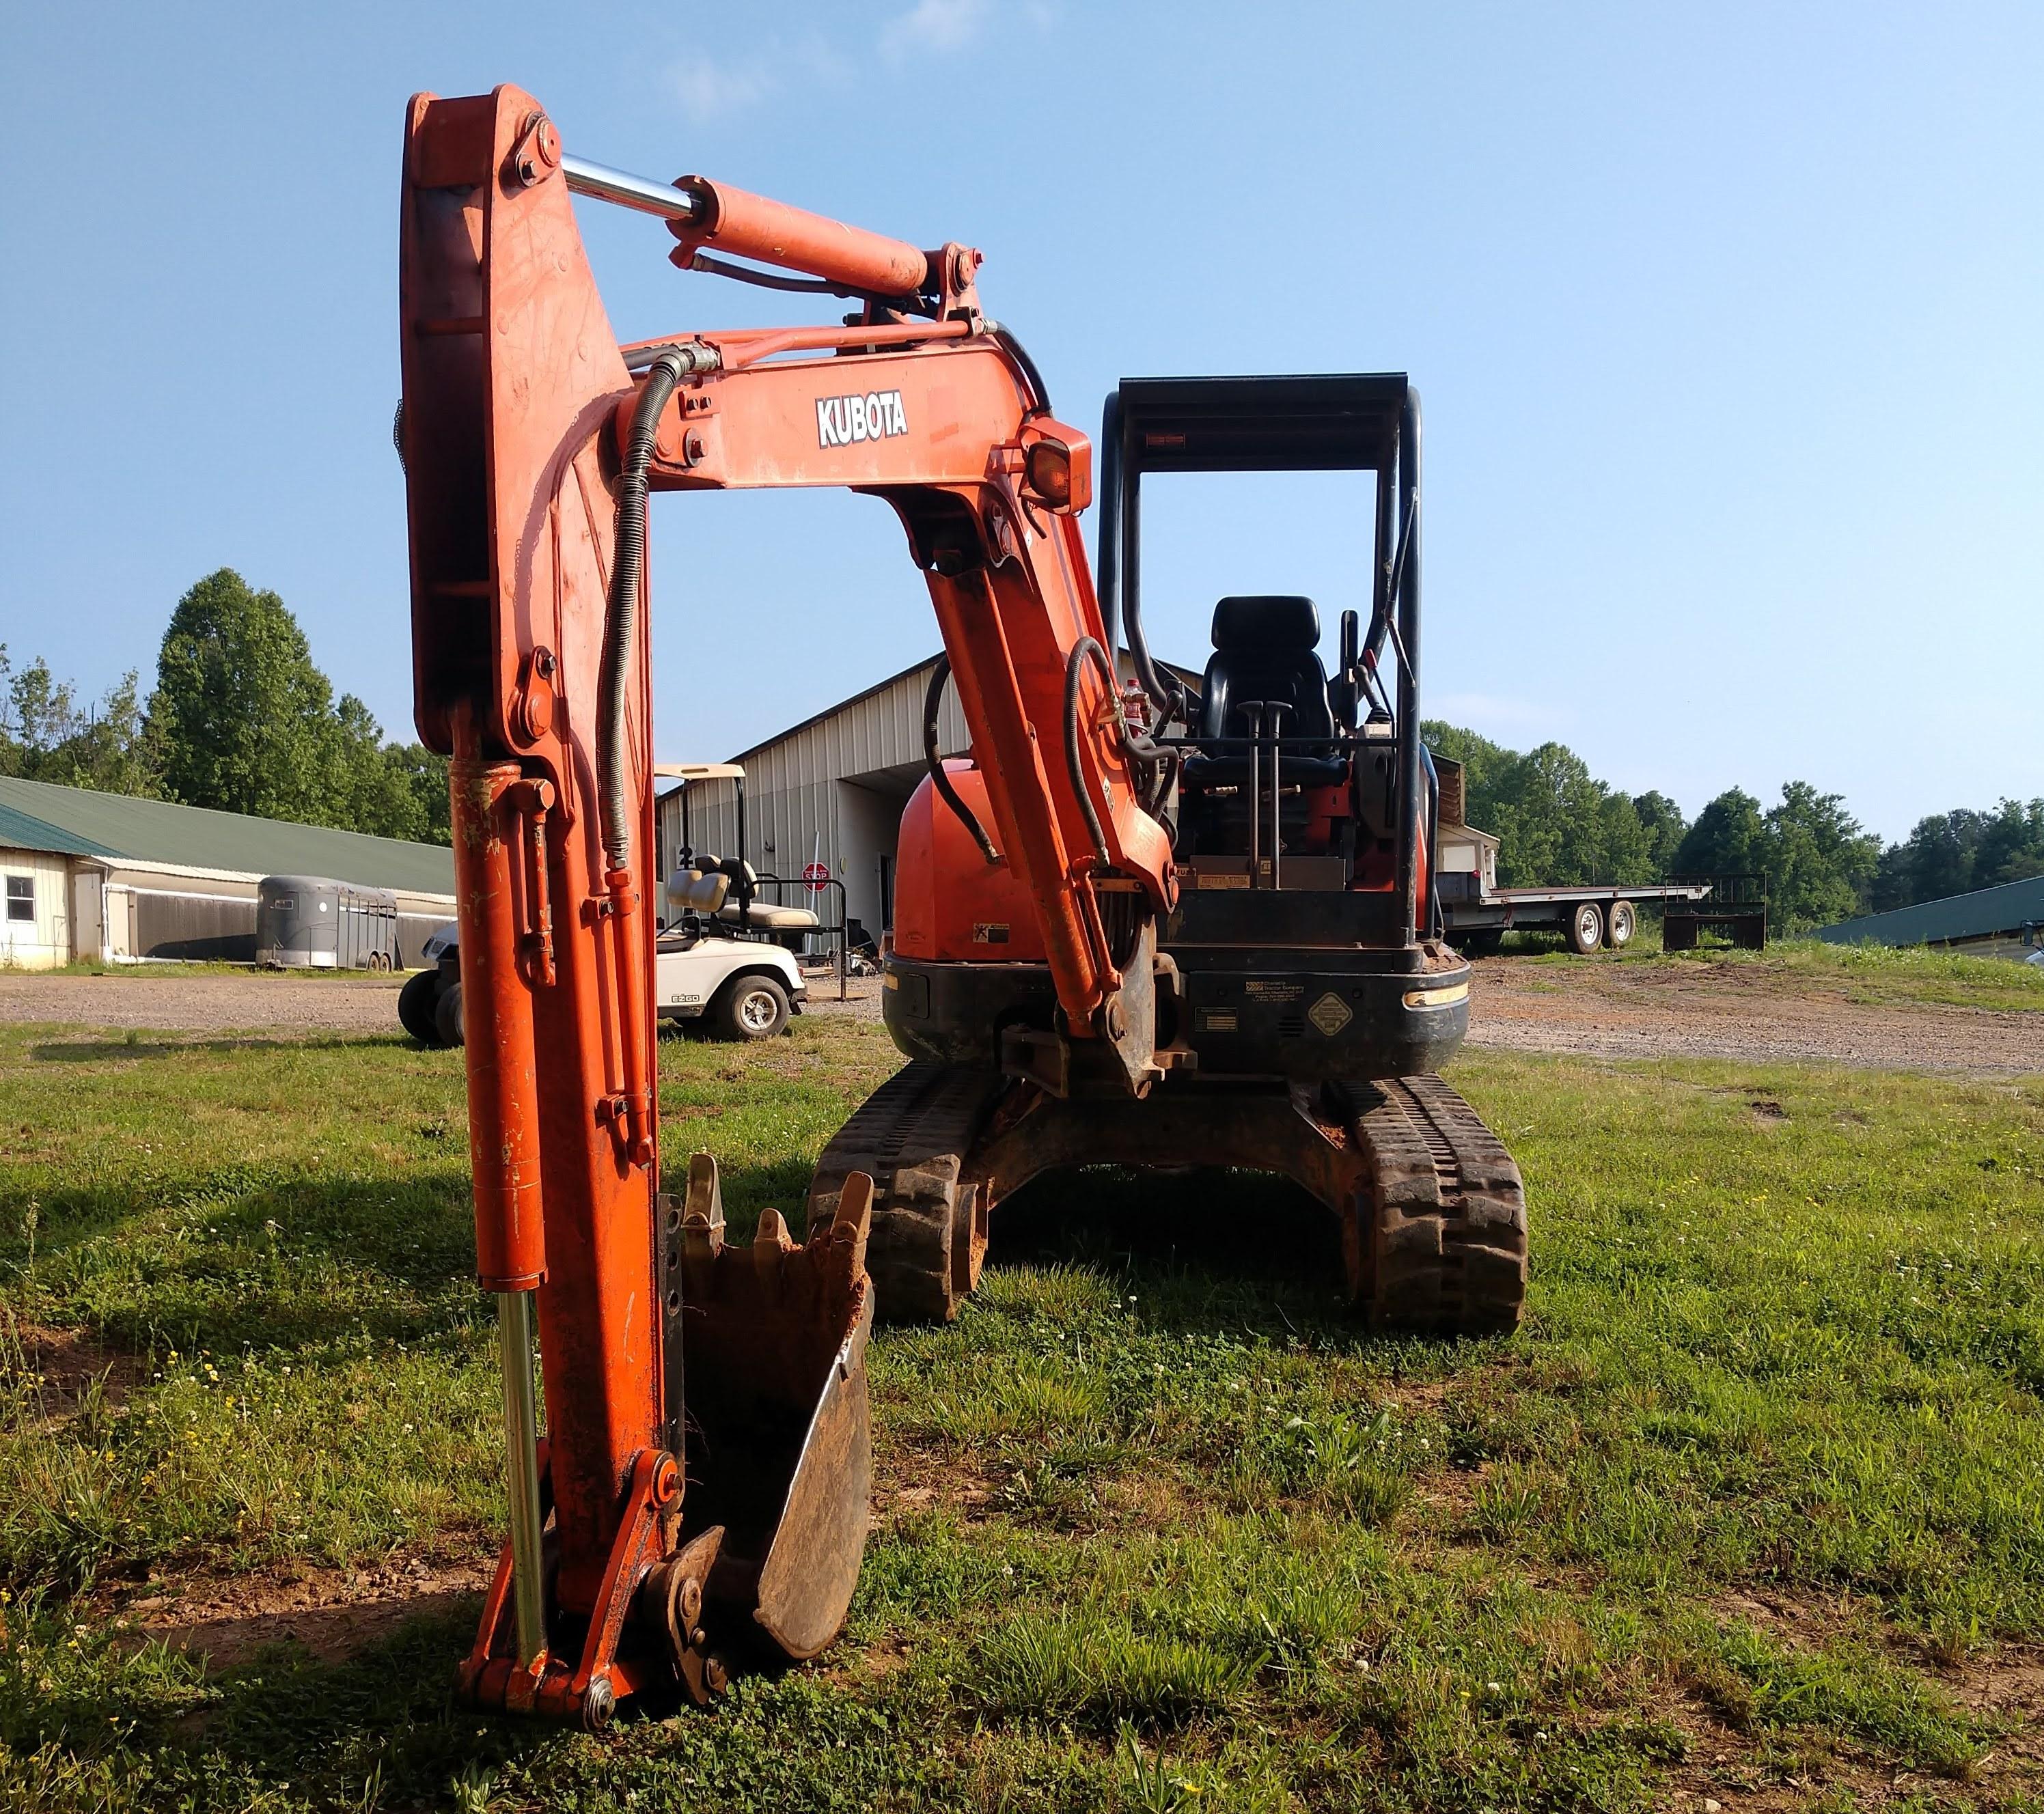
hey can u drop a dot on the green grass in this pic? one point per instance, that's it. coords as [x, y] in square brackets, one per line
[1157, 1527]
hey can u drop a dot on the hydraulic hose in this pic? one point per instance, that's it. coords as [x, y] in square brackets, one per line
[1141, 748]
[1019, 355]
[620, 621]
[940, 779]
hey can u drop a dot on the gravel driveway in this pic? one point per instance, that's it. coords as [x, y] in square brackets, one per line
[1611, 1009]
[1603, 1009]
[204, 1001]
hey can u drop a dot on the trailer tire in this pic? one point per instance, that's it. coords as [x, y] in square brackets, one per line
[1584, 928]
[446, 1016]
[1619, 924]
[1480, 942]
[750, 1007]
[415, 1006]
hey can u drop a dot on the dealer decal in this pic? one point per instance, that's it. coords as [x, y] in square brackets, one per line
[841, 420]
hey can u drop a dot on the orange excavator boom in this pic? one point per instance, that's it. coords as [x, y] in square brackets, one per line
[704, 1463]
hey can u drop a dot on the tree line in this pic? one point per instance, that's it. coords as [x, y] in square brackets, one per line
[1557, 824]
[241, 718]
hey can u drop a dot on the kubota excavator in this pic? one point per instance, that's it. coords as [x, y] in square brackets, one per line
[1174, 931]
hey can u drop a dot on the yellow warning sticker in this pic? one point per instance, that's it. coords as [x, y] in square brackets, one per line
[1331, 1013]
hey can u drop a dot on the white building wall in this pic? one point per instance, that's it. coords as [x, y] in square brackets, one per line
[43, 942]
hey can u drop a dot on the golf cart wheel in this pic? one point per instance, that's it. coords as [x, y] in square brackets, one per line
[751, 1007]
[1619, 924]
[1584, 930]
[415, 1008]
[446, 1016]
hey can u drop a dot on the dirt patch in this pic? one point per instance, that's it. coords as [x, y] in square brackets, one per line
[913, 1478]
[2007, 1686]
[331, 1613]
[203, 1003]
[61, 1367]
[1612, 1010]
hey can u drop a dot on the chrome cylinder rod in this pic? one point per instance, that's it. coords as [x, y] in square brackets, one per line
[629, 191]
[522, 1444]
[1252, 709]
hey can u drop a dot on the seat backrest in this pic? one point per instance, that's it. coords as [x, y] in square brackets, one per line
[697, 892]
[1266, 648]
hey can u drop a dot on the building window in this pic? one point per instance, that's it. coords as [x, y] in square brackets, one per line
[21, 898]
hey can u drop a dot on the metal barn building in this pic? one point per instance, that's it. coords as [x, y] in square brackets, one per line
[829, 790]
[106, 876]
[2005, 921]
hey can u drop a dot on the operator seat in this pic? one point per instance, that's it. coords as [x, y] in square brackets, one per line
[1266, 648]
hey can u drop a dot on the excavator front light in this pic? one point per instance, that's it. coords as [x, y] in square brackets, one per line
[1047, 468]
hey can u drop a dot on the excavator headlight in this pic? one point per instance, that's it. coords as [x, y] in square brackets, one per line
[1048, 469]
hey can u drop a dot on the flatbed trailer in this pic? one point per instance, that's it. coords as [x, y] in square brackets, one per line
[1590, 916]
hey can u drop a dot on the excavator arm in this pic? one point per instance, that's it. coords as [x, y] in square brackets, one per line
[988, 485]
[702, 1477]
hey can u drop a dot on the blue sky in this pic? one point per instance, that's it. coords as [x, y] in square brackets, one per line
[1727, 321]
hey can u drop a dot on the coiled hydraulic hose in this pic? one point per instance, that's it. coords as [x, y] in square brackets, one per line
[940, 779]
[1132, 743]
[620, 620]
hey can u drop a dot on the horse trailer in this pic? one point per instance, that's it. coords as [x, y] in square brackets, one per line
[314, 922]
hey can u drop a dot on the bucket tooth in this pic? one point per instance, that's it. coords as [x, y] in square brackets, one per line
[841, 1239]
[702, 1215]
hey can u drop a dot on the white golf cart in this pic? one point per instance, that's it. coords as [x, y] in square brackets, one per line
[716, 960]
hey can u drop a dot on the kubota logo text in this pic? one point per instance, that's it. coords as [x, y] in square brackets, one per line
[841, 420]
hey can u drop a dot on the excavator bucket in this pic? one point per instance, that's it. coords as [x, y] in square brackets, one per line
[777, 1440]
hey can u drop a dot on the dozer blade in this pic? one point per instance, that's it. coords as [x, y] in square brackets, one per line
[778, 1435]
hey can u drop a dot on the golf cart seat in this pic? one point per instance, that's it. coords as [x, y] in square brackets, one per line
[710, 892]
[768, 918]
[697, 892]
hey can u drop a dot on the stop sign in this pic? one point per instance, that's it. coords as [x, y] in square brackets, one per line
[816, 874]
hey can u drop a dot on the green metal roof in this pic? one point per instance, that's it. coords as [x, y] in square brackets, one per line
[2005, 908]
[20, 831]
[79, 822]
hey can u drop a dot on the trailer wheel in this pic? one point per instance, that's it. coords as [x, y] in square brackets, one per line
[1619, 924]
[415, 1008]
[1584, 929]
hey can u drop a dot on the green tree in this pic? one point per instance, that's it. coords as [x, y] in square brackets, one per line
[1555, 822]
[1819, 861]
[1937, 859]
[390, 790]
[45, 735]
[423, 774]
[1625, 851]
[2012, 844]
[1728, 839]
[246, 721]
[1663, 823]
